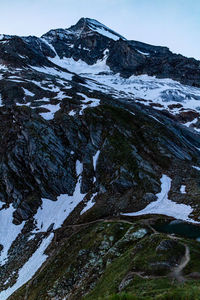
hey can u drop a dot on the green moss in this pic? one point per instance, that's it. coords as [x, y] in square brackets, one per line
[151, 259]
[112, 277]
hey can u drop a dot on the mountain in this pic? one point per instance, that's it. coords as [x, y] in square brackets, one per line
[99, 143]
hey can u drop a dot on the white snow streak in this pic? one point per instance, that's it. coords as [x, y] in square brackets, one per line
[95, 159]
[143, 53]
[29, 268]
[197, 168]
[8, 231]
[28, 93]
[89, 204]
[79, 167]
[1, 101]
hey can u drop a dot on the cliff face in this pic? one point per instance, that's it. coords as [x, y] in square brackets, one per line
[88, 134]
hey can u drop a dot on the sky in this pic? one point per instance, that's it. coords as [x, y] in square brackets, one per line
[171, 23]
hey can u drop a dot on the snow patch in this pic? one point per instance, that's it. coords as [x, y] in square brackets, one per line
[28, 93]
[8, 231]
[92, 102]
[89, 204]
[182, 189]
[191, 122]
[72, 113]
[81, 67]
[52, 110]
[29, 268]
[3, 68]
[1, 104]
[56, 212]
[164, 206]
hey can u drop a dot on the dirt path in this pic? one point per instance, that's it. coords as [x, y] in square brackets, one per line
[177, 272]
[98, 221]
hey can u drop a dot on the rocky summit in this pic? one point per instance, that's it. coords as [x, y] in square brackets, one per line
[99, 168]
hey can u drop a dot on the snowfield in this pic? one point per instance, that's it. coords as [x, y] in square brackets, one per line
[153, 90]
[165, 93]
[162, 94]
[81, 67]
[164, 206]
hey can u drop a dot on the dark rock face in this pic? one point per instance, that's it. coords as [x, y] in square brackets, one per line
[18, 52]
[41, 149]
[127, 58]
[36, 152]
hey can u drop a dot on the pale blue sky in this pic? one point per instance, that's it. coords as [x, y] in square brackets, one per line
[172, 23]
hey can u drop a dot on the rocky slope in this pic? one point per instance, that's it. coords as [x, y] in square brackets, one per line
[94, 128]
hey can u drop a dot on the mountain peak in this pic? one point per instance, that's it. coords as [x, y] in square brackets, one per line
[88, 24]
[84, 27]
[89, 21]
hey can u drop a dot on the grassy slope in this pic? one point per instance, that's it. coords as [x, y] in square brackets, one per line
[103, 256]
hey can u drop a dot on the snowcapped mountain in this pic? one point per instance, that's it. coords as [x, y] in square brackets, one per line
[94, 128]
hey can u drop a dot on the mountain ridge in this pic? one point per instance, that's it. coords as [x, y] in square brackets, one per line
[128, 50]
